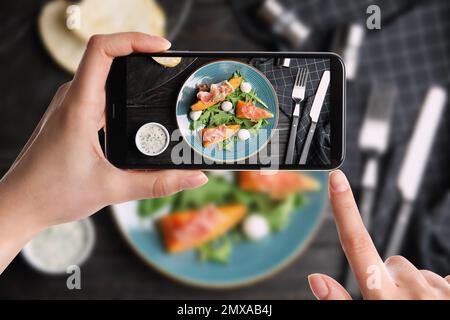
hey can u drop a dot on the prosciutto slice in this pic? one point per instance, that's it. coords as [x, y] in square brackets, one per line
[217, 93]
[215, 134]
[212, 136]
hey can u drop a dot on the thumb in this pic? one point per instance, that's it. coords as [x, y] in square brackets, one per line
[134, 185]
[326, 288]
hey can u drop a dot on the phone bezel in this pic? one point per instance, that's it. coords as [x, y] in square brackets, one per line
[115, 129]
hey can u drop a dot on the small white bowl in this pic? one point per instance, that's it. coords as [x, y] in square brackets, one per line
[81, 257]
[142, 128]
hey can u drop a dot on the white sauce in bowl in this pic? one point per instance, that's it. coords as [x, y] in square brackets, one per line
[152, 139]
[60, 246]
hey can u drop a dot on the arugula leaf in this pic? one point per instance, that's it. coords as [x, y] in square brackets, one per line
[216, 191]
[204, 118]
[253, 96]
[235, 235]
[225, 145]
[220, 117]
[237, 74]
[260, 102]
[300, 201]
[245, 123]
[194, 125]
[256, 126]
[279, 215]
[149, 207]
[218, 250]
[233, 98]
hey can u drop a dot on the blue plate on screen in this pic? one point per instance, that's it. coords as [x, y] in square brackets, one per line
[215, 72]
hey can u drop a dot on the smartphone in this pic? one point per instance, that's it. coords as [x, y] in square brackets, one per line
[226, 110]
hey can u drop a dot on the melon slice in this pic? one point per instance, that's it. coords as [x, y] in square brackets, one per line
[235, 82]
[188, 229]
[248, 110]
[215, 135]
[278, 185]
[200, 105]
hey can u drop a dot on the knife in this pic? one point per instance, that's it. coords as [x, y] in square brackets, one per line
[315, 112]
[414, 163]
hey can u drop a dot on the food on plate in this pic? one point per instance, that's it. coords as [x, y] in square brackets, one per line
[255, 227]
[169, 62]
[111, 16]
[188, 229]
[215, 135]
[236, 80]
[278, 185]
[65, 48]
[226, 106]
[217, 93]
[195, 115]
[246, 87]
[244, 134]
[247, 110]
[203, 87]
[216, 103]
[221, 214]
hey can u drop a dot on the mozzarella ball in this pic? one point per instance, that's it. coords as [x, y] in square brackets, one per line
[246, 87]
[226, 106]
[195, 115]
[255, 227]
[244, 134]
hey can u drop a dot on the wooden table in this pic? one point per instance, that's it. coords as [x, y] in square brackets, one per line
[29, 79]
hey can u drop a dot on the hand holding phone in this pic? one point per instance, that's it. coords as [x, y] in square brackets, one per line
[61, 174]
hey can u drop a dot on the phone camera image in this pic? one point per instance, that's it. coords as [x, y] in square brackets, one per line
[229, 112]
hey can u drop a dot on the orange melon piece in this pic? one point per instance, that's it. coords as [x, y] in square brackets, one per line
[215, 135]
[188, 229]
[278, 185]
[200, 105]
[248, 110]
[235, 82]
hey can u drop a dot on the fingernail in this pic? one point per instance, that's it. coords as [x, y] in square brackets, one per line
[318, 286]
[168, 44]
[195, 180]
[338, 181]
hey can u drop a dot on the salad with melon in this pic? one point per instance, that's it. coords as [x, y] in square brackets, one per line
[228, 109]
[229, 209]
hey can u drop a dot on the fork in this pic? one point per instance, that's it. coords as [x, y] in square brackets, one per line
[298, 95]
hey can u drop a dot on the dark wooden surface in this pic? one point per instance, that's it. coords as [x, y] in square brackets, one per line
[29, 79]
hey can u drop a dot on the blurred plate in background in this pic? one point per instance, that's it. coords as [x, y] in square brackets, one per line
[250, 262]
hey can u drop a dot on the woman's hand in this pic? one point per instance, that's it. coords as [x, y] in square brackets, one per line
[396, 278]
[61, 174]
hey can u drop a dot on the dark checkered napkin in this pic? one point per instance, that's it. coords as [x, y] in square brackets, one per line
[282, 79]
[435, 236]
[412, 52]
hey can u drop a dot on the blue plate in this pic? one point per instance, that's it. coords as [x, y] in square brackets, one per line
[250, 261]
[215, 72]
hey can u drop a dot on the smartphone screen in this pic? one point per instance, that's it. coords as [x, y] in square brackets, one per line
[226, 110]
